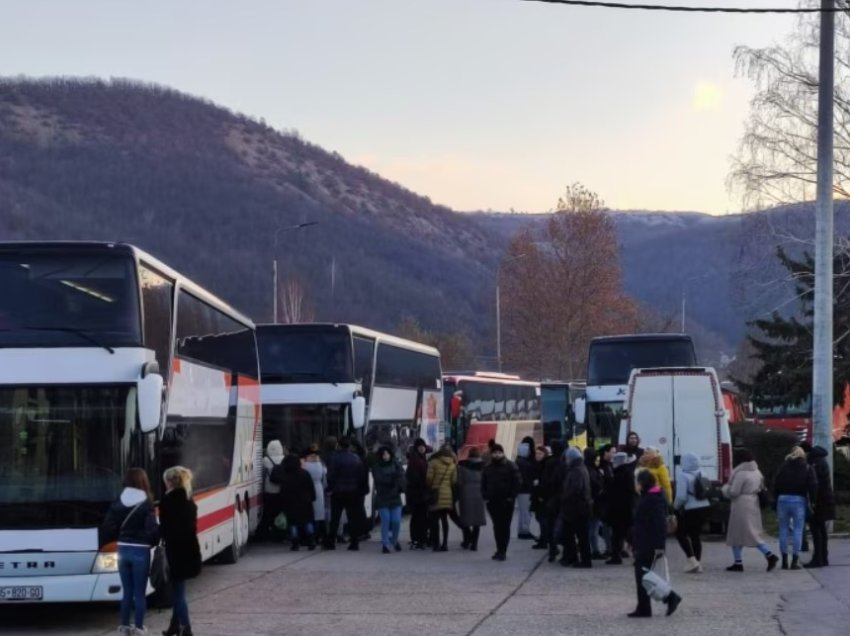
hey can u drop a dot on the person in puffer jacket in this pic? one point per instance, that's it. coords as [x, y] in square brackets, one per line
[691, 512]
[652, 461]
[131, 521]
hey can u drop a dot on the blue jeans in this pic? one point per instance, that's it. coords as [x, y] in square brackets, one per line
[738, 551]
[791, 509]
[390, 525]
[303, 531]
[134, 566]
[180, 612]
[593, 533]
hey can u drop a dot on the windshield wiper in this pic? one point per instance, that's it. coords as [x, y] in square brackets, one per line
[85, 335]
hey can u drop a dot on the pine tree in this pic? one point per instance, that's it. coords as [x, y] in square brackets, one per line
[784, 344]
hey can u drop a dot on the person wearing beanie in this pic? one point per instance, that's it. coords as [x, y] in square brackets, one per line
[576, 510]
[500, 485]
[621, 504]
[417, 493]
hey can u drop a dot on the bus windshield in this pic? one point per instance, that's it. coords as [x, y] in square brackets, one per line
[68, 299]
[612, 362]
[296, 355]
[61, 450]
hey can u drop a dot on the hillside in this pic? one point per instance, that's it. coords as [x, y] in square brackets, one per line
[205, 190]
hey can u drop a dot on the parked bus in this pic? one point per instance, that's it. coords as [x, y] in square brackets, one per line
[109, 359]
[797, 417]
[493, 406]
[323, 380]
[611, 360]
[562, 412]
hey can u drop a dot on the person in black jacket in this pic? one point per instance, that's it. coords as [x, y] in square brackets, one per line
[348, 483]
[131, 521]
[417, 493]
[576, 508]
[597, 490]
[824, 507]
[297, 494]
[649, 538]
[178, 516]
[388, 476]
[552, 481]
[621, 504]
[795, 486]
[500, 483]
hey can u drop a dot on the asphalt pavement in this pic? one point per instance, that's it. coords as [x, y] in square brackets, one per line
[274, 591]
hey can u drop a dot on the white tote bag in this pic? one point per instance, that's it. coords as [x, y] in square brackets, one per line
[658, 588]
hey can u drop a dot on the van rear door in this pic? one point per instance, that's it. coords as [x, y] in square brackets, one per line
[650, 411]
[695, 408]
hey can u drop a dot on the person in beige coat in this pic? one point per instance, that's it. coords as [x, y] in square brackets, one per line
[745, 527]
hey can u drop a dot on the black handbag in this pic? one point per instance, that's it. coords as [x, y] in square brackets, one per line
[160, 573]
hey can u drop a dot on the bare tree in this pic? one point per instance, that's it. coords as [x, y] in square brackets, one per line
[561, 286]
[455, 347]
[294, 305]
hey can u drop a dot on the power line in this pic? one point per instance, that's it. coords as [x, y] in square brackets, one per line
[688, 9]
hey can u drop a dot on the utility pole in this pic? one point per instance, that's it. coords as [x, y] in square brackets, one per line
[823, 348]
[275, 291]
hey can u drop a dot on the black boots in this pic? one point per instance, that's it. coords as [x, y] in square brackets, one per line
[173, 628]
[784, 561]
[672, 602]
[795, 562]
[772, 560]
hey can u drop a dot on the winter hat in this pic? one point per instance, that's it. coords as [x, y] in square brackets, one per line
[622, 458]
[275, 449]
[497, 448]
[419, 442]
[573, 454]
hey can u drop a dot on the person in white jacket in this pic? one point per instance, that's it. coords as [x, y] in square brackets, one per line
[691, 504]
[271, 491]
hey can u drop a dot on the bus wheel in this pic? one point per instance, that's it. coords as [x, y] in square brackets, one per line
[246, 524]
[234, 550]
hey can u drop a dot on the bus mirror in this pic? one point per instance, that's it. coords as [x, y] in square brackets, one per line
[358, 412]
[581, 410]
[149, 400]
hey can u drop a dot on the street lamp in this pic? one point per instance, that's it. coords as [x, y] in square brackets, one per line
[288, 228]
[499, 308]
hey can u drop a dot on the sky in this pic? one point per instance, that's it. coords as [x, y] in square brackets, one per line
[477, 104]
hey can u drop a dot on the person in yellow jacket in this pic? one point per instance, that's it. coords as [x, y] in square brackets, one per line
[654, 463]
[442, 479]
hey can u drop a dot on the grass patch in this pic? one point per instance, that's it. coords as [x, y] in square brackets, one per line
[841, 525]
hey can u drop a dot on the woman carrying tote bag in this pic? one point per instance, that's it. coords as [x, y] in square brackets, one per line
[178, 518]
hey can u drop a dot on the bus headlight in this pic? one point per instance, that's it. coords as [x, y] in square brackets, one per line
[105, 563]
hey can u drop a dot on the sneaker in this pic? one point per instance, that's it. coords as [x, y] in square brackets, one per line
[737, 567]
[673, 602]
[772, 560]
[124, 630]
[692, 566]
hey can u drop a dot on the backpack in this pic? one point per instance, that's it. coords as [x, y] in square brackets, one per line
[701, 487]
[276, 476]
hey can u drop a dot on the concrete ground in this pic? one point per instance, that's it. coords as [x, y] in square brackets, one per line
[274, 591]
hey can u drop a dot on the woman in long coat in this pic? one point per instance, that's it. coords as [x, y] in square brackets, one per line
[441, 478]
[745, 526]
[472, 515]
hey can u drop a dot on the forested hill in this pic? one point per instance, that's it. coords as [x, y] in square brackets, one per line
[205, 189]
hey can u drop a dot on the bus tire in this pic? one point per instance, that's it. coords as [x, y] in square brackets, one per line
[232, 553]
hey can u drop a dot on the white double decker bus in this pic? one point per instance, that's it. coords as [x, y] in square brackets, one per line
[321, 380]
[108, 360]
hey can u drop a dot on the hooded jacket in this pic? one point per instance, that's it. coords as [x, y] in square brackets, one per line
[389, 481]
[416, 476]
[824, 502]
[297, 492]
[686, 485]
[274, 456]
[656, 466]
[131, 520]
[576, 498]
[442, 477]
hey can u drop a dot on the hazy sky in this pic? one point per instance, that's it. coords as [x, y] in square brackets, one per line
[476, 103]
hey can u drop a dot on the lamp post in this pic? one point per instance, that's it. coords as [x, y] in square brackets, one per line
[499, 308]
[288, 228]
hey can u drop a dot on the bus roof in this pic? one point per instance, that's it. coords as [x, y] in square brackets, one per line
[637, 337]
[489, 379]
[137, 254]
[355, 331]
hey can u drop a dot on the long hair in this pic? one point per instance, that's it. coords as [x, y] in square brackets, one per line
[796, 453]
[179, 477]
[138, 478]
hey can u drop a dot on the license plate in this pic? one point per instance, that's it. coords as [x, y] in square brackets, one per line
[22, 593]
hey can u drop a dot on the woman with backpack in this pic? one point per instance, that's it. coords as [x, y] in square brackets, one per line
[131, 521]
[178, 516]
[691, 505]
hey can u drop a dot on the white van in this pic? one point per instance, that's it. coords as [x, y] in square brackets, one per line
[680, 410]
